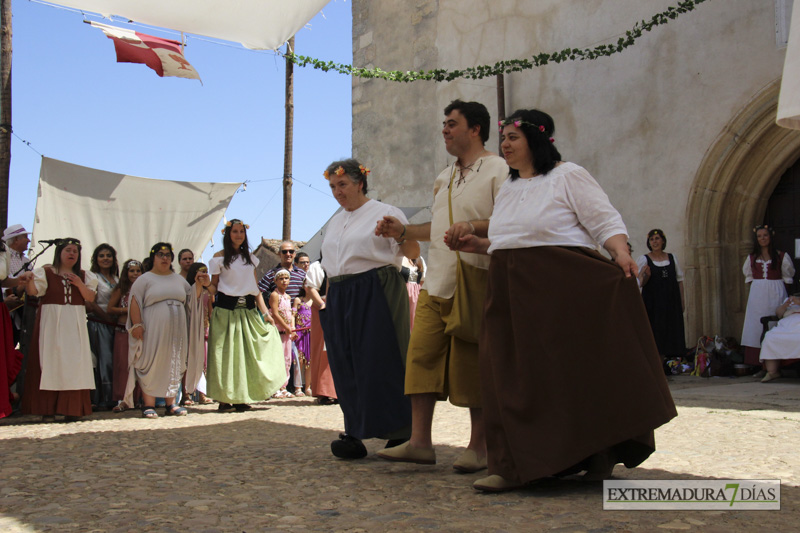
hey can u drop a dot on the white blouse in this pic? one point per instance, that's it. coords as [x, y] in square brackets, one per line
[40, 281]
[238, 279]
[567, 207]
[641, 261]
[351, 246]
[787, 269]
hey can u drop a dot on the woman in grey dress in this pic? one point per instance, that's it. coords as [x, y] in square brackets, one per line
[157, 323]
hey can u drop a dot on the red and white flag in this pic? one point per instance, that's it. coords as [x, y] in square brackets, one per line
[162, 55]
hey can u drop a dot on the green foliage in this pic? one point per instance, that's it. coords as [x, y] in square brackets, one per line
[509, 65]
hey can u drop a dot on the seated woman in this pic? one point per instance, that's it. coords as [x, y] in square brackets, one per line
[783, 341]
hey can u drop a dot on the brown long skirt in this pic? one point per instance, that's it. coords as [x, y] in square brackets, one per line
[320, 371]
[570, 368]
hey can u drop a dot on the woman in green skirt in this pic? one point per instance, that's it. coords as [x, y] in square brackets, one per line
[245, 355]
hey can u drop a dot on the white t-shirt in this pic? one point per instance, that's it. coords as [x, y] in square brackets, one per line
[351, 246]
[237, 280]
[567, 207]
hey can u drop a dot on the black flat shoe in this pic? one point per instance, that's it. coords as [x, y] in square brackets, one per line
[348, 447]
[391, 443]
[242, 407]
[224, 407]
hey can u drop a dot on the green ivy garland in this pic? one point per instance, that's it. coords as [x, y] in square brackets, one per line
[505, 66]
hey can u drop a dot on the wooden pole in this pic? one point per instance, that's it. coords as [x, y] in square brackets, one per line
[287, 150]
[5, 107]
[501, 104]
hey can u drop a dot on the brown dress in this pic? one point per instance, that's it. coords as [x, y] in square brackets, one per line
[569, 365]
[320, 371]
[52, 402]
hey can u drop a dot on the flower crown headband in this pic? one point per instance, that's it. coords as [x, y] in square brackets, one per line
[66, 242]
[339, 171]
[153, 250]
[756, 228]
[233, 221]
[517, 123]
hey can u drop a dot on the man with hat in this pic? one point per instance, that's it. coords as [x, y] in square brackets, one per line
[24, 311]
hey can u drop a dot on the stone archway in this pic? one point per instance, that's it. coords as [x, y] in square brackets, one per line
[728, 196]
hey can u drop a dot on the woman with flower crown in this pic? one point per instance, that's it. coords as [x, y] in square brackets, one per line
[661, 279]
[60, 375]
[245, 354]
[162, 310]
[564, 328]
[768, 271]
[366, 320]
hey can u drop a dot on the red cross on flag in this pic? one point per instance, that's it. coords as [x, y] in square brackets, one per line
[162, 55]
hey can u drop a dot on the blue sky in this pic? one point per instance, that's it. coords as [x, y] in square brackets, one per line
[73, 102]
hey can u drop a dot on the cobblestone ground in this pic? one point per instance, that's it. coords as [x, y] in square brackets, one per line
[271, 470]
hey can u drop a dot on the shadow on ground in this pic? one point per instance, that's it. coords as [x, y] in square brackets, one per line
[736, 393]
[253, 475]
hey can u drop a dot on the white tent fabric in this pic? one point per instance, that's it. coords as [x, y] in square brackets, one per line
[256, 24]
[789, 100]
[128, 212]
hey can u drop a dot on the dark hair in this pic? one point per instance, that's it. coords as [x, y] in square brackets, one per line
[114, 266]
[183, 252]
[774, 254]
[300, 255]
[125, 283]
[656, 232]
[192, 273]
[229, 252]
[60, 245]
[475, 113]
[544, 153]
[157, 247]
[353, 170]
[302, 292]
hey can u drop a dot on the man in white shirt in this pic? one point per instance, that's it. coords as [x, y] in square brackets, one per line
[440, 365]
[24, 312]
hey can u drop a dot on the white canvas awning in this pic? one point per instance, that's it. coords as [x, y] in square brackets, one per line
[128, 212]
[789, 100]
[256, 24]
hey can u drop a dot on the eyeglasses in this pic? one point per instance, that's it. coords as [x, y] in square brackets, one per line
[287, 251]
[164, 254]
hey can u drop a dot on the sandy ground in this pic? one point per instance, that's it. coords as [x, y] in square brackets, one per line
[271, 470]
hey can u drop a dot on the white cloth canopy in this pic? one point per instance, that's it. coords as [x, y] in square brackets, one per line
[256, 24]
[789, 100]
[128, 212]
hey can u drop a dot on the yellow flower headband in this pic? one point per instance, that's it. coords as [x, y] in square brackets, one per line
[756, 228]
[161, 249]
[233, 221]
[339, 171]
